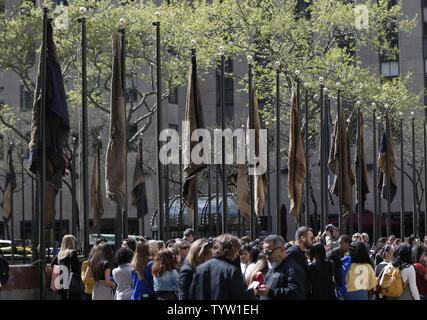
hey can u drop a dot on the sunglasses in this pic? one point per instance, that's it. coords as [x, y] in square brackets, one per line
[185, 248]
[269, 252]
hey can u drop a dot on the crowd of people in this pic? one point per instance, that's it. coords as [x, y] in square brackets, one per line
[328, 266]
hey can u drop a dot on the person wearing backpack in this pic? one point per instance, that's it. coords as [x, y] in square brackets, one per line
[360, 279]
[386, 255]
[398, 279]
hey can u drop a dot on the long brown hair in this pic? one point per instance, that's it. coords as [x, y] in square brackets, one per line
[141, 257]
[102, 254]
[165, 261]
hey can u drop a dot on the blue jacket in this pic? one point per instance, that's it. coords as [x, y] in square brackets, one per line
[342, 290]
[140, 288]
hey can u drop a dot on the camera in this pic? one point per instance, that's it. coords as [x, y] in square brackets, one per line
[329, 228]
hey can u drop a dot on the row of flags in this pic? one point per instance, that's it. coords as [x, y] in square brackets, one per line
[58, 164]
[57, 130]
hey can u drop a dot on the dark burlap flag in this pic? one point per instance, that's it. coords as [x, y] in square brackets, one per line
[9, 187]
[260, 181]
[96, 189]
[57, 122]
[194, 116]
[115, 164]
[242, 191]
[386, 145]
[51, 193]
[365, 184]
[333, 163]
[139, 192]
[296, 161]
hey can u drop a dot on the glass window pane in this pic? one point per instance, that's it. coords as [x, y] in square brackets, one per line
[425, 14]
[385, 69]
[394, 69]
[1, 95]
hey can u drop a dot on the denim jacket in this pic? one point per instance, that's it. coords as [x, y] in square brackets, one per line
[167, 282]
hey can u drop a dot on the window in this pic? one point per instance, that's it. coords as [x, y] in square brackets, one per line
[425, 19]
[1, 96]
[131, 92]
[26, 100]
[301, 9]
[390, 69]
[173, 97]
[229, 93]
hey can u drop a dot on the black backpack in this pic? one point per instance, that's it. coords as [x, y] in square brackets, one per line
[4, 271]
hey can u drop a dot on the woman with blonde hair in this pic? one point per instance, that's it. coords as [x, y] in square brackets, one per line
[200, 251]
[356, 237]
[258, 272]
[67, 256]
[154, 248]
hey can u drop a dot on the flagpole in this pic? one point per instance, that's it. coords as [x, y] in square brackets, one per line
[181, 208]
[73, 188]
[414, 185]
[196, 102]
[300, 218]
[167, 221]
[218, 218]
[402, 181]
[141, 219]
[359, 169]
[268, 178]
[326, 108]
[380, 213]
[98, 196]
[209, 201]
[374, 153]
[60, 214]
[42, 234]
[224, 177]
[122, 30]
[341, 166]
[307, 159]
[22, 196]
[33, 223]
[322, 158]
[85, 153]
[159, 128]
[425, 175]
[11, 215]
[251, 177]
[211, 219]
[278, 217]
[388, 223]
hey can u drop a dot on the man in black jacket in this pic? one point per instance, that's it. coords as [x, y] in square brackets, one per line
[285, 279]
[304, 237]
[220, 278]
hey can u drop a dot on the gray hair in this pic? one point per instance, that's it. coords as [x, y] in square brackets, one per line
[276, 239]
